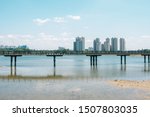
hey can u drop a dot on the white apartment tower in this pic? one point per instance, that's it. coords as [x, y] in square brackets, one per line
[107, 45]
[97, 44]
[114, 44]
[122, 44]
[79, 44]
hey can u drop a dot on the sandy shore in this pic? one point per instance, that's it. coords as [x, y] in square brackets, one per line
[143, 85]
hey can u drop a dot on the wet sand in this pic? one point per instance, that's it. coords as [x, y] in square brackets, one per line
[143, 85]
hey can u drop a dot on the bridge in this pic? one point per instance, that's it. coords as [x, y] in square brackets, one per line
[123, 55]
[49, 52]
[93, 55]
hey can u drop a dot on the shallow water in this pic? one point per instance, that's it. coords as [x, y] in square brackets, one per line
[73, 78]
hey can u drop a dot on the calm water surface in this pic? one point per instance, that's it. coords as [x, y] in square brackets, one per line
[73, 78]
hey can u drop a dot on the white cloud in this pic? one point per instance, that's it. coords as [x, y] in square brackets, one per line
[39, 21]
[73, 17]
[59, 19]
[15, 39]
[145, 36]
[1, 36]
[65, 34]
[39, 41]
[138, 42]
[44, 36]
[15, 36]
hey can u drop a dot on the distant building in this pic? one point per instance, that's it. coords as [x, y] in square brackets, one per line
[90, 49]
[103, 47]
[106, 45]
[122, 44]
[114, 44]
[97, 44]
[23, 47]
[61, 48]
[79, 44]
[7, 47]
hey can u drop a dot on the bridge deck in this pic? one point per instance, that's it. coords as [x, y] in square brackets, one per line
[93, 54]
[54, 55]
[123, 54]
[14, 55]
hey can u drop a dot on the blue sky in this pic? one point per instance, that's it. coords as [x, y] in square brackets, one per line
[48, 24]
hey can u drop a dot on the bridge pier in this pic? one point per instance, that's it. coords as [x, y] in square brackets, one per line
[94, 62]
[146, 57]
[54, 58]
[11, 63]
[93, 59]
[125, 59]
[123, 56]
[121, 59]
[146, 61]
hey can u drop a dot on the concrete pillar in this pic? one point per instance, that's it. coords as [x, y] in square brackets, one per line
[121, 59]
[144, 58]
[11, 61]
[54, 59]
[15, 65]
[91, 60]
[125, 59]
[11, 65]
[15, 61]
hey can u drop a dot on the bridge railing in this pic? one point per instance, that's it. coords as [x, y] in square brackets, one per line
[48, 52]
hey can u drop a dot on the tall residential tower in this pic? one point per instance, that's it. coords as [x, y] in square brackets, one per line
[79, 44]
[97, 44]
[114, 44]
[122, 44]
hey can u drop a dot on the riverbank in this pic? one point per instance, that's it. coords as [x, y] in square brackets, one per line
[143, 85]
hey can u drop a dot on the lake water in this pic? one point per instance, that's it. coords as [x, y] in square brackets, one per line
[73, 78]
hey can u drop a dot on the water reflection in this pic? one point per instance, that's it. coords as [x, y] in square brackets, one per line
[147, 67]
[94, 72]
[54, 71]
[13, 71]
[20, 77]
[123, 67]
[13, 75]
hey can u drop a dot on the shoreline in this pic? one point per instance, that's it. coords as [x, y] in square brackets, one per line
[142, 85]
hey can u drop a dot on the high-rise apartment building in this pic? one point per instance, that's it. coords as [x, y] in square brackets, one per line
[97, 44]
[114, 44]
[79, 44]
[107, 45]
[122, 44]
